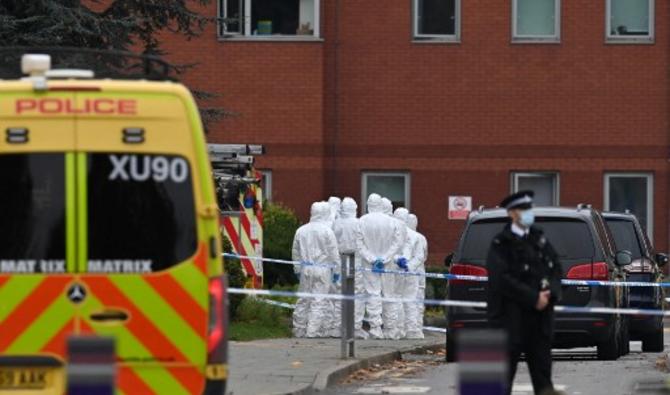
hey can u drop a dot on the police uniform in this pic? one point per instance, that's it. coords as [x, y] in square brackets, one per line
[521, 263]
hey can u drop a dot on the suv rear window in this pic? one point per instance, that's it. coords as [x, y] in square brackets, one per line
[32, 213]
[141, 212]
[571, 238]
[625, 236]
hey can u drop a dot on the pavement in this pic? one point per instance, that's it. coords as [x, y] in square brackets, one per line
[575, 372]
[308, 366]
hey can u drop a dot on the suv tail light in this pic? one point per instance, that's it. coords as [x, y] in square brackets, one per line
[589, 271]
[218, 321]
[462, 269]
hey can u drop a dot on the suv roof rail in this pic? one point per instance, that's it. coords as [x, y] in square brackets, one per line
[481, 209]
[627, 211]
[582, 206]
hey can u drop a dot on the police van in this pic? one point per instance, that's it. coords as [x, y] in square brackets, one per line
[108, 227]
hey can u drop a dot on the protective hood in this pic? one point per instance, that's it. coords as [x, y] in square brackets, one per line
[349, 208]
[375, 203]
[387, 206]
[334, 203]
[402, 214]
[320, 212]
[413, 222]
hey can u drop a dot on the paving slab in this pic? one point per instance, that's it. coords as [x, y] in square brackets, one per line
[308, 366]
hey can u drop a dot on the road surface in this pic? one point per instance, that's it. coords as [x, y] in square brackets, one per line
[576, 372]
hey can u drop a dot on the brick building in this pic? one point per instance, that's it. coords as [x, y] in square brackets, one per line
[423, 99]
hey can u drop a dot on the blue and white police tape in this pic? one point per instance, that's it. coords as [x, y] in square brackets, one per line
[278, 304]
[447, 276]
[445, 303]
[292, 307]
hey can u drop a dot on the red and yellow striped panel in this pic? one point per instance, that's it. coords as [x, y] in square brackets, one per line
[35, 314]
[161, 348]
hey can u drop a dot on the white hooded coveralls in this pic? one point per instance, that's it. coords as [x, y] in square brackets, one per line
[408, 285]
[314, 243]
[347, 232]
[421, 291]
[335, 205]
[381, 238]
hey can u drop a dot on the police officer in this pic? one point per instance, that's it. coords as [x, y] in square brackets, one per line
[524, 284]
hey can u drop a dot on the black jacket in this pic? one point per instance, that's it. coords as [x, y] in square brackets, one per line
[517, 267]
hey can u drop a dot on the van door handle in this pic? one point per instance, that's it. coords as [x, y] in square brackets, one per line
[109, 315]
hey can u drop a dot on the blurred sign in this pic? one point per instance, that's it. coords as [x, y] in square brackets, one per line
[482, 360]
[459, 207]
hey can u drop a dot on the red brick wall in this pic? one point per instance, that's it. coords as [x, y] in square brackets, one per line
[458, 117]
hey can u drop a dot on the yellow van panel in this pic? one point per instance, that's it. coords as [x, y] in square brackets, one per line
[162, 117]
[44, 133]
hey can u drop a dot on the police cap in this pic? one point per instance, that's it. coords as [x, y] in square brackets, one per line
[521, 200]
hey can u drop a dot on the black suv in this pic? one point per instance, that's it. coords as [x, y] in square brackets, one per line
[586, 251]
[646, 267]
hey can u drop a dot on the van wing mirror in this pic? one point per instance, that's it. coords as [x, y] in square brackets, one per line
[448, 260]
[662, 259]
[623, 258]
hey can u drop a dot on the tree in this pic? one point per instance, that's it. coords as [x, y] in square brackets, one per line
[279, 227]
[113, 25]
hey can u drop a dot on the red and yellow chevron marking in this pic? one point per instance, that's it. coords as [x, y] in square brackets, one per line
[246, 236]
[33, 311]
[161, 348]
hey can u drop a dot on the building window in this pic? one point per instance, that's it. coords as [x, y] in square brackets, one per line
[437, 20]
[266, 184]
[630, 20]
[545, 186]
[394, 186]
[269, 18]
[633, 192]
[536, 20]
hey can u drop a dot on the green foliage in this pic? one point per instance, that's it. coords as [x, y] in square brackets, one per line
[436, 288]
[245, 331]
[279, 226]
[119, 25]
[236, 276]
[258, 320]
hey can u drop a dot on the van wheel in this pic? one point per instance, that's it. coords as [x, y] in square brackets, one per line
[653, 342]
[451, 348]
[609, 349]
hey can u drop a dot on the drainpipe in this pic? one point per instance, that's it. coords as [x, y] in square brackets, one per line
[336, 102]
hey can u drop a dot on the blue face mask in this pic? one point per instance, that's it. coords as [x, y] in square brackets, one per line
[527, 218]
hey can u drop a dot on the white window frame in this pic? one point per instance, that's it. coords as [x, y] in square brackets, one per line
[267, 190]
[246, 34]
[649, 38]
[454, 38]
[650, 195]
[518, 38]
[364, 186]
[528, 174]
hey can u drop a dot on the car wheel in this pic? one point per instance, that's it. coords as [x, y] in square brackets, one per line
[625, 337]
[451, 347]
[609, 349]
[654, 341]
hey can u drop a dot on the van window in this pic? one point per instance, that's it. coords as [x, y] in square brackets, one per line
[625, 236]
[141, 212]
[32, 213]
[571, 238]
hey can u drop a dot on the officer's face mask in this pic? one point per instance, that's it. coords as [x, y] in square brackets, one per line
[527, 218]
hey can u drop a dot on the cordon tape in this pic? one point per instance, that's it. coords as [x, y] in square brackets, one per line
[447, 276]
[446, 303]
